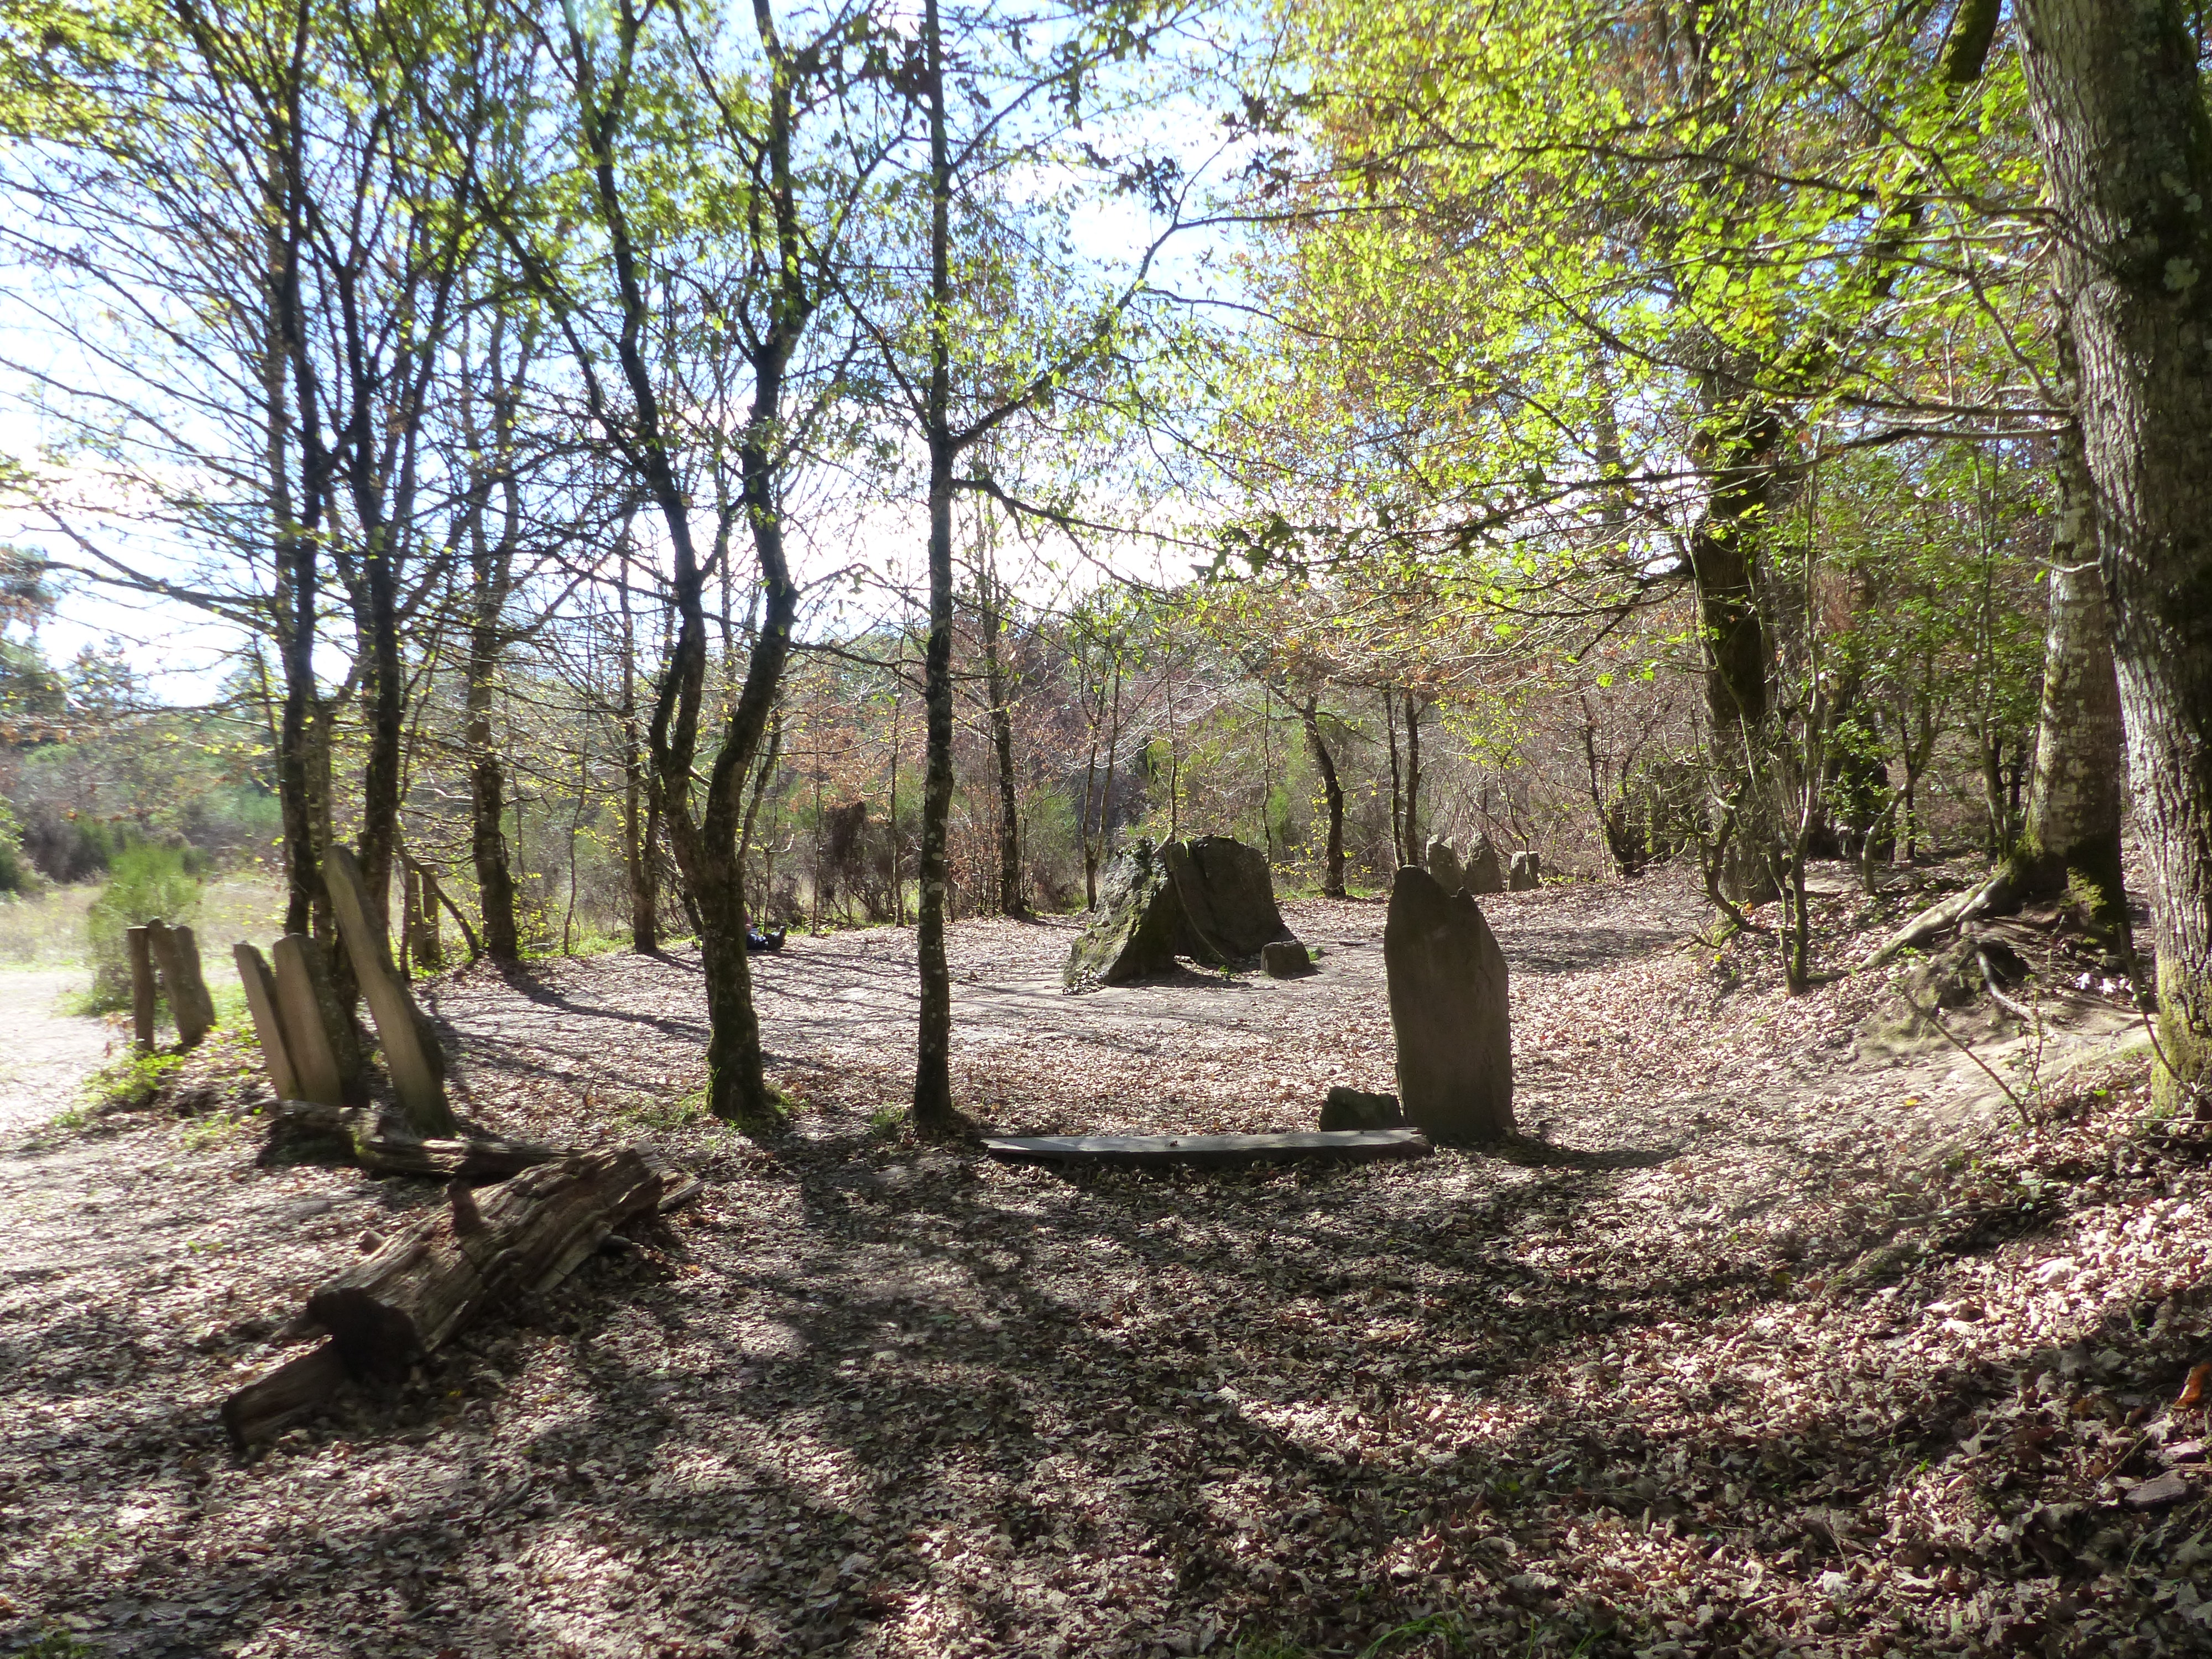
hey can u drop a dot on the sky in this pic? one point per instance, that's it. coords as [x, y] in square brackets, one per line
[182, 655]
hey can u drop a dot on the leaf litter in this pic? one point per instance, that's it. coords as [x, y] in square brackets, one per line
[1749, 1346]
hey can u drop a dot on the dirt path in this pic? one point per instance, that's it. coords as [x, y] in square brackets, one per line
[43, 1052]
[1747, 1348]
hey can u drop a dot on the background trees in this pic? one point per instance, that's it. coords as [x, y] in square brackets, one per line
[667, 470]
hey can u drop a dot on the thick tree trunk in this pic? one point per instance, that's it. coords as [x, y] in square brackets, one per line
[2119, 112]
[1333, 794]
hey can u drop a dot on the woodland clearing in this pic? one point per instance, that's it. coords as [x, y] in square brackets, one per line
[1750, 1346]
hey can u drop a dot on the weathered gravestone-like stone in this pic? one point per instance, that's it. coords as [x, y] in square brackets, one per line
[1484, 871]
[412, 1054]
[318, 1036]
[1211, 898]
[1228, 897]
[1285, 958]
[177, 954]
[144, 992]
[1356, 1109]
[1526, 873]
[268, 1024]
[1444, 865]
[1448, 1012]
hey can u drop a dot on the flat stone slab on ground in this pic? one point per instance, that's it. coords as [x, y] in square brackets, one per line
[1349, 1146]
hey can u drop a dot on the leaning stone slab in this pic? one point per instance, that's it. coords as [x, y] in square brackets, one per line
[1356, 1109]
[1285, 958]
[1444, 865]
[325, 1064]
[1483, 872]
[178, 956]
[1448, 1012]
[411, 1051]
[1216, 1150]
[1228, 896]
[1526, 874]
[267, 1025]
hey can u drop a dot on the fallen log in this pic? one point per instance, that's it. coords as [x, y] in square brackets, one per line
[263, 1409]
[484, 1248]
[1345, 1145]
[518, 1238]
[382, 1144]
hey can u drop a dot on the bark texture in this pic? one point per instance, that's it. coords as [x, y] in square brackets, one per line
[1332, 790]
[2120, 117]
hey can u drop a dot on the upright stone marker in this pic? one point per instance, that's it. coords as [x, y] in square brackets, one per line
[267, 1025]
[1484, 873]
[1444, 865]
[411, 1051]
[1228, 896]
[1448, 1012]
[321, 1069]
[1527, 873]
[143, 991]
[1134, 932]
[178, 956]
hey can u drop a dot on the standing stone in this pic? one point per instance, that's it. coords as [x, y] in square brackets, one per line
[1228, 896]
[318, 1033]
[1526, 874]
[267, 1025]
[1447, 1013]
[1285, 958]
[177, 954]
[1133, 933]
[1444, 865]
[1484, 873]
[144, 994]
[412, 1054]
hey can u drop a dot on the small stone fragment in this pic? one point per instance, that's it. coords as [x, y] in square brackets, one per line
[1356, 1109]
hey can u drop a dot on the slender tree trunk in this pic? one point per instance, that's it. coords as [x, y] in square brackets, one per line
[1332, 793]
[993, 599]
[1413, 848]
[932, 1072]
[487, 778]
[1397, 786]
[641, 820]
[2119, 112]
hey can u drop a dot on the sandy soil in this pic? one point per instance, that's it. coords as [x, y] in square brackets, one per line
[43, 1051]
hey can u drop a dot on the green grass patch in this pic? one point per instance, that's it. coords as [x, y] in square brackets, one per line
[129, 1083]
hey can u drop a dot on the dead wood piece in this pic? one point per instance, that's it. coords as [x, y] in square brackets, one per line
[382, 1145]
[262, 1409]
[395, 1307]
[1350, 1146]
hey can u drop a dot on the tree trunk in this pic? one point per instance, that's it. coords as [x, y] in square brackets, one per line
[1414, 849]
[992, 597]
[490, 578]
[640, 821]
[1397, 786]
[2120, 116]
[2071, 841]
[1333, 792]
[933, 1072]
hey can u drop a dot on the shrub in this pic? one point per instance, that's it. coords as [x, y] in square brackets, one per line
[144, 882]
[16, 874]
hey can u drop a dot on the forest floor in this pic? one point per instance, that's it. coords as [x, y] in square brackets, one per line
[1765, 1339]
